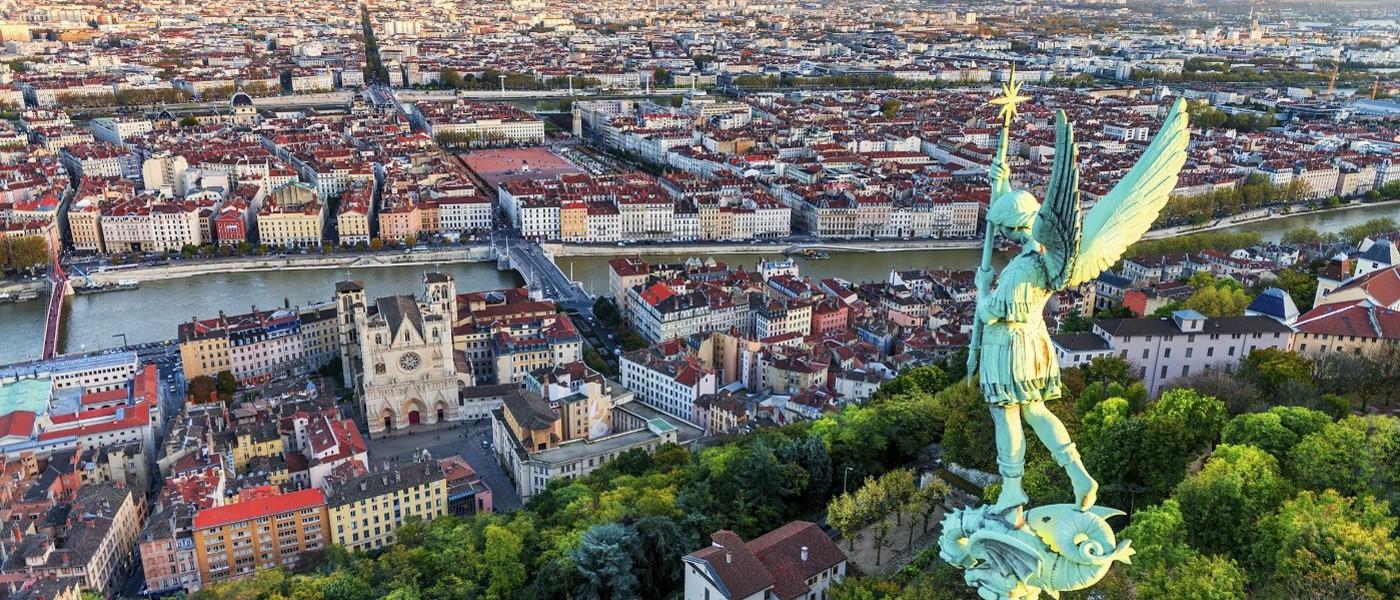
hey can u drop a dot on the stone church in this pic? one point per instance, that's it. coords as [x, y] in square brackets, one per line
[397, 354]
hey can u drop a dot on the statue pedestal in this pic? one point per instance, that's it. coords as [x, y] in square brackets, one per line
[1057, 549]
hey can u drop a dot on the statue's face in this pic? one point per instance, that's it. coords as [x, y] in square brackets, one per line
[1020, 235]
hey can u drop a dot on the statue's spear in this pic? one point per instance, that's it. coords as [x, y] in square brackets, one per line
[1000, 182]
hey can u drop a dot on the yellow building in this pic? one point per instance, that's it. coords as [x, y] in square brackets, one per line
[573, 222]
[249, 441]
[203, 352]
[291, 216]
[366, 511]
[84, 223]
[353, 226]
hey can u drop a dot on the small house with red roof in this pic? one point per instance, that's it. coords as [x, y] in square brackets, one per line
[795, 561]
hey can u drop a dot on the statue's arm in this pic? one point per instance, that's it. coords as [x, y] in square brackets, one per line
[989, 310]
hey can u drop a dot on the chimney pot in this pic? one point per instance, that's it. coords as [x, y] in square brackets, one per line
[804, 554]
[728, 557]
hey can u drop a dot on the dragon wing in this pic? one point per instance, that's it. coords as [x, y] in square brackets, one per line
[1058, 224]
[1121, 217]
[1006, 554]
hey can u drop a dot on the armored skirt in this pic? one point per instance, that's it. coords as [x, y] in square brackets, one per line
[1017, 362]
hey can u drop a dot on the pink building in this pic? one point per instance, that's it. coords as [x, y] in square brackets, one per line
[467, 494]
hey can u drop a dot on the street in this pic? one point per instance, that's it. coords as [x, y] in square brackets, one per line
[464, 439]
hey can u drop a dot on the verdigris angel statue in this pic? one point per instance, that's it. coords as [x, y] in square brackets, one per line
[1017, 369]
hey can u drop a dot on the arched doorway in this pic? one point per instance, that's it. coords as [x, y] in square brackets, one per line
[414, 409]
[386, 417]
[440, 408]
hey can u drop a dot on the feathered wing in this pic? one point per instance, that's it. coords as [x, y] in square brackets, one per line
[1122, 216]
[1057, 225]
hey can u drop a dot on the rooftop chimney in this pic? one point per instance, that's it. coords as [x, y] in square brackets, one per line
[804, 554]
[728, 557]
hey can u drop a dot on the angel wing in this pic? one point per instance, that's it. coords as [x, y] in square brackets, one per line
[1121, 217]
[1057, 225]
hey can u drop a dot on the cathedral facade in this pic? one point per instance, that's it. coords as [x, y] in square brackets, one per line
[398, 355]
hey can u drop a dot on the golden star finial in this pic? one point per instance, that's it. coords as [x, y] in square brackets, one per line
[1010, 97]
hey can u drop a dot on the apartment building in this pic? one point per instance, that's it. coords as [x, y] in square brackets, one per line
[265, 530]
[667, 378]
[255, 346]
[1166, 349]
[366, 511]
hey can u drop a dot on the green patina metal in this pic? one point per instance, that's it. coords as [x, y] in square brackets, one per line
[31, 395]
[1007, 552]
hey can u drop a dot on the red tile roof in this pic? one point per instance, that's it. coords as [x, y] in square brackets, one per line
[261, 507]
[19, 423]
[1359, 318]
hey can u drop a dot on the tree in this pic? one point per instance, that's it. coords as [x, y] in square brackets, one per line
[226, 386]
[968, 432]
[1301, 287]
[660, 76]
[1264, 431]
[880, 534]
[376, 244]
[1074, 322]
[663, 543]
[505, 566]
[1109, 369]
[1197, 578]
[1357, 455]
[863, 588]
[1159, 537]
[1134, 396]
[1215, 301]
[595, 361]
[842, 514]
[26, 253]
[1344, 373]
[1204, 415]
[451, 78]
[1386, 359]
[899, 488]
[1302, 235]
[1238, 395]
[1316, 533]
[608, 559]
[201, 389]
[1269, 368]
[1221, 504]
[928, 501]
[890, 107]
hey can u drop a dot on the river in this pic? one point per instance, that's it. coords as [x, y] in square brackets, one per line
[152, 312]
[155, 310]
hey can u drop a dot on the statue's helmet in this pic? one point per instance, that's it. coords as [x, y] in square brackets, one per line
[1013, 209]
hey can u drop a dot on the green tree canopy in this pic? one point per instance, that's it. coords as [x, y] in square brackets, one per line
[1221, 504]
[1325, 541]
[1356, 455]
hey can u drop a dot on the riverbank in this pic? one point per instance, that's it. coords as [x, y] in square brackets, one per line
[180, 270]
[1260, 216]
[566, 250]
[13, 291]
[559, 250]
